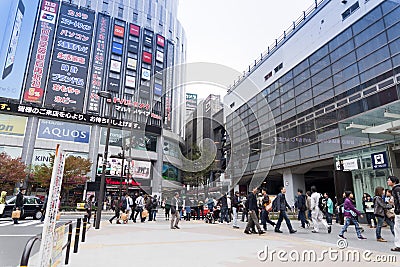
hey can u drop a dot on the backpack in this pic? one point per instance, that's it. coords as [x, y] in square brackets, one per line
[321, 203]
[275, 204]
[155, 203]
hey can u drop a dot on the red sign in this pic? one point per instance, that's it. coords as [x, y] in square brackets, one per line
[147, 57]
[134, 29]
[114, 182]
[119, 31]
[160, 40]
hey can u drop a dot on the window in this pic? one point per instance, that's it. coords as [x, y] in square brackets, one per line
[120, 12]
[105, 6]
[350, 10]
[269, 75]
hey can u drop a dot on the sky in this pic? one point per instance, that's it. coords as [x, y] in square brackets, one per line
[234, 32]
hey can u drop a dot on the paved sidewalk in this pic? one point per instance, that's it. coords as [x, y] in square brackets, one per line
[201, 244]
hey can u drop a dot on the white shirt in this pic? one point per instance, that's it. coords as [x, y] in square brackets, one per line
[314, 200]
[139, 201]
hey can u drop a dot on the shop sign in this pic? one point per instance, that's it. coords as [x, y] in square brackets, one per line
[64, 131]
[134, 30]
[160, 56]
[379, 160]
[131, 63]
[12, 125]
[160, 40]
[115, 66]
[347, 164]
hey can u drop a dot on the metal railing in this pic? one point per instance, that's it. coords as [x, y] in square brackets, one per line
[30, 243]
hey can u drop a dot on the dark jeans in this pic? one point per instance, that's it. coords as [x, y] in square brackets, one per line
[283, 215]
[265, 219]
[88, 215]
[139, 211]
[224, 214]
[116, 215]
[245, 213]
[201, 210]
[328, 218]
[302, 218]
[379, 225]
[370, 216]
[167, 214]
[153, 214]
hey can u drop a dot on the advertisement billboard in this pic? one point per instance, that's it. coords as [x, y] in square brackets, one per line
[146, 74]
[147, 57]
[130, 81]
[63, 131]
[69, 66]
[17, 19]
[134, 30]
[160, 56]
[41, 50]
[141, 169]
[191, 101]
[98, 61]
[12, 125]
[131, 63]
[116, 48]
[119, 31]
[158, 89]
[115, 65]
[160, 40]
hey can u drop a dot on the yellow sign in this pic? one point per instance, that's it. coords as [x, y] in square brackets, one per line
[80, 206]
[12, 125]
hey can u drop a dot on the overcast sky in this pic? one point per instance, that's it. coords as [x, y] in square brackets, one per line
[234, 32]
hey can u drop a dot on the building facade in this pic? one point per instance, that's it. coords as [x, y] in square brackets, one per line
[67, 52]
[326, 107]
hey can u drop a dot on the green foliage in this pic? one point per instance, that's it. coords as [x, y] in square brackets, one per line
[11, 172]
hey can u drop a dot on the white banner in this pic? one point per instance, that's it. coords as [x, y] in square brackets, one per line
[53, 200]
[141, 169]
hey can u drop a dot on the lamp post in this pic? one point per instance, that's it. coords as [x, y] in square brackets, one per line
[106, 95]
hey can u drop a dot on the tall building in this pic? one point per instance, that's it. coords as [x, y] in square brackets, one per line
[326, 106]
[191, 104]
[57, 55]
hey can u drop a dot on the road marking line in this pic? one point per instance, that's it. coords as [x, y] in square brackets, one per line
[27, 223]
[7, 223]
[16, 235]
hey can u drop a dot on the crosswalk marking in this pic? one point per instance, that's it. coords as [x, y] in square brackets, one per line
[27, 223]
[6, 223]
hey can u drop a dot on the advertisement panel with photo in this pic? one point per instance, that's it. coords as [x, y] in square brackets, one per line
[12, 125]
[41, 51]
[17, 19]
[69, 67]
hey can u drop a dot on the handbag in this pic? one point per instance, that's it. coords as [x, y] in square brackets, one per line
[145, 213]
[390, 213]
[2, 206]
[58, 216]
[269, 207]
[16, 214]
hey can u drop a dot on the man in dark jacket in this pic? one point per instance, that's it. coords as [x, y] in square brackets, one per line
[235, 208]
[281, 207]
[393, 181]
[19, 203]
[253, 209]
[301, 206]
[175, 211]
[224, 209]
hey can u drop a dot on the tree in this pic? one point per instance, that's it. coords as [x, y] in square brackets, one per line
[75, 171]
[11, 172]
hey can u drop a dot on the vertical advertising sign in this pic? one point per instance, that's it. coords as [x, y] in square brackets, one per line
[169, 85]
[41, 50]
[17, 19]
[98, 61]
[53, 199]
[69, 66]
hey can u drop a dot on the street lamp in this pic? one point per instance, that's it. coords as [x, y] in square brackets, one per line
[106, 95]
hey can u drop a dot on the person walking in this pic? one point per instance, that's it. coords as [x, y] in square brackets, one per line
[116, 208]
[154, 205]
[308, 204]
[133, 207]
[301, 206]
[317, 215]
[224, 209]
[329, 208]
[175, 214]
[350, 215]
[252, 209]
[245, 211]
[88, 208]
[167, 208]
[393, 181]
[264, 213]
[281, 207]
[44, 207]
[235, 208]
[2, 202]
[19, 204]
[368, 208]
[380, 208]
[139, 207]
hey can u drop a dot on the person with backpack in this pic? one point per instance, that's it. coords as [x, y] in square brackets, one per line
[281, 205]
[380, 208]
[301, 206]
[139, 208]
[264, 212]
[317, 206]
[253, 208]
[350, 215]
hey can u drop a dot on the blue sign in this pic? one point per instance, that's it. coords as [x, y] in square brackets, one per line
[157, 89]
[116, 48]
[379, 160]
[64, 131]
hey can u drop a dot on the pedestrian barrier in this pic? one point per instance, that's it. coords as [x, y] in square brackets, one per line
[77, 232]
[29, 245]
[84, 229]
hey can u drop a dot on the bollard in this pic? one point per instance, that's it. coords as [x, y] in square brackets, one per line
[94, 220]
[77, 232]
[84, 229]
[68, 244]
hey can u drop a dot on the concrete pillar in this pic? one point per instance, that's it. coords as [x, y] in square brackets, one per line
[292, 182]
[29, 140]
[94, 150]
[156, 182]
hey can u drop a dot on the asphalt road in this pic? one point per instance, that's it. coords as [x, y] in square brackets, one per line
[14, 237]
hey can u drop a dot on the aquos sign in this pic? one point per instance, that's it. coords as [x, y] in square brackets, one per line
[63, 131]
